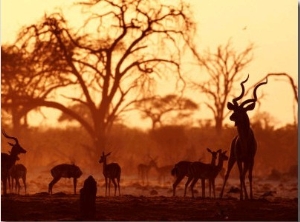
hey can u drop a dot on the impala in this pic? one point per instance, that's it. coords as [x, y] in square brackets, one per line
[181, 169]
[143, 170]
[199, 170]
[8, 160]
[111, 171]
[243, 146]
[64, 171]
[16, 172]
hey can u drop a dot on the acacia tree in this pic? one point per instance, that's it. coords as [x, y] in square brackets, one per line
[156, 107]
[116, 54]
[223, 68]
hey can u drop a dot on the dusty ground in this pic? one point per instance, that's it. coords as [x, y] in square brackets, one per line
[61, 206]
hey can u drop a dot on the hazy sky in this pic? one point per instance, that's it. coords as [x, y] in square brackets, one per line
[271, 25]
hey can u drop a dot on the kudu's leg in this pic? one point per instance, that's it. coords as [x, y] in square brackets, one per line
[231, 162]
[242, 179]
[118, 180]
[24, 182]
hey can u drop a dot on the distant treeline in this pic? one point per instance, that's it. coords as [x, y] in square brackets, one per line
[277, 148]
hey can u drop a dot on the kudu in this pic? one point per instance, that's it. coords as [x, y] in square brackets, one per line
[111, 171]
[243, 146]
[64, 171]
[8, 160]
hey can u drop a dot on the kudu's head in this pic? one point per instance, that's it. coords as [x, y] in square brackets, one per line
[16, 147]
[103, 157]
[239, 115]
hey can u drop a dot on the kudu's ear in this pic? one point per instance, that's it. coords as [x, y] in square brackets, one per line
[230, 106]
[250, 107]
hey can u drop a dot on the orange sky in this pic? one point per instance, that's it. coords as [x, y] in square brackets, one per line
[271, 25]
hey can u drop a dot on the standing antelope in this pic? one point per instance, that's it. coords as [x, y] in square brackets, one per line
[110, 171]
[243, 146]
[198, 170]
[16, 172]
[163, 171]
[8, 160]
[143, 170]
[64, 171]
[181, 169]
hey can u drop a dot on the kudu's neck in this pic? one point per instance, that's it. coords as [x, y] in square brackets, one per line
[243, 128]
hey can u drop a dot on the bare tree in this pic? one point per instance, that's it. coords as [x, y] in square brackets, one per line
[224, 69]
[156, 107]
[107, 63]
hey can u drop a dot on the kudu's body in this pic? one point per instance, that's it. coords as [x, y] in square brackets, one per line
[8, 160]
[111, 171]
[243, 146]
[64, 171]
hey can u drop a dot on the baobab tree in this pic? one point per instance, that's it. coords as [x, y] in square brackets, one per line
[105, 63]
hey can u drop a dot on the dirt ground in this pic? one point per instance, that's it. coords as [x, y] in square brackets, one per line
[62, 206]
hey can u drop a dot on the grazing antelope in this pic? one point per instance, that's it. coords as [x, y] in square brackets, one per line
[181, 169]
[64, 171]
[111, 171]
[16, 172]
[198, 170]
[143, 170]
[8, 160]
[243, 146]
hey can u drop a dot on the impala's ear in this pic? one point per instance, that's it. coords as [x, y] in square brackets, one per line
[250, 107]
[108, 154]
[219, 150]
[230, 106]
[209, 150]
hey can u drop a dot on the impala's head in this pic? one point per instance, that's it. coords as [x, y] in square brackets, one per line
[223, 156]
[16, 147]
[214, 154]
[239, 115]
[103, 157]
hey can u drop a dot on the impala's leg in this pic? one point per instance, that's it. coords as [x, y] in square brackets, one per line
[74, 183]
[118, 180]
[106, 186]
[175, 184]
[51, 184]
[24, 182]
[187, 184]
[109, 182]
[115, 185]
[192, 186]
[18, 185]
[203, 187]
[209, 187]
[213, 187]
